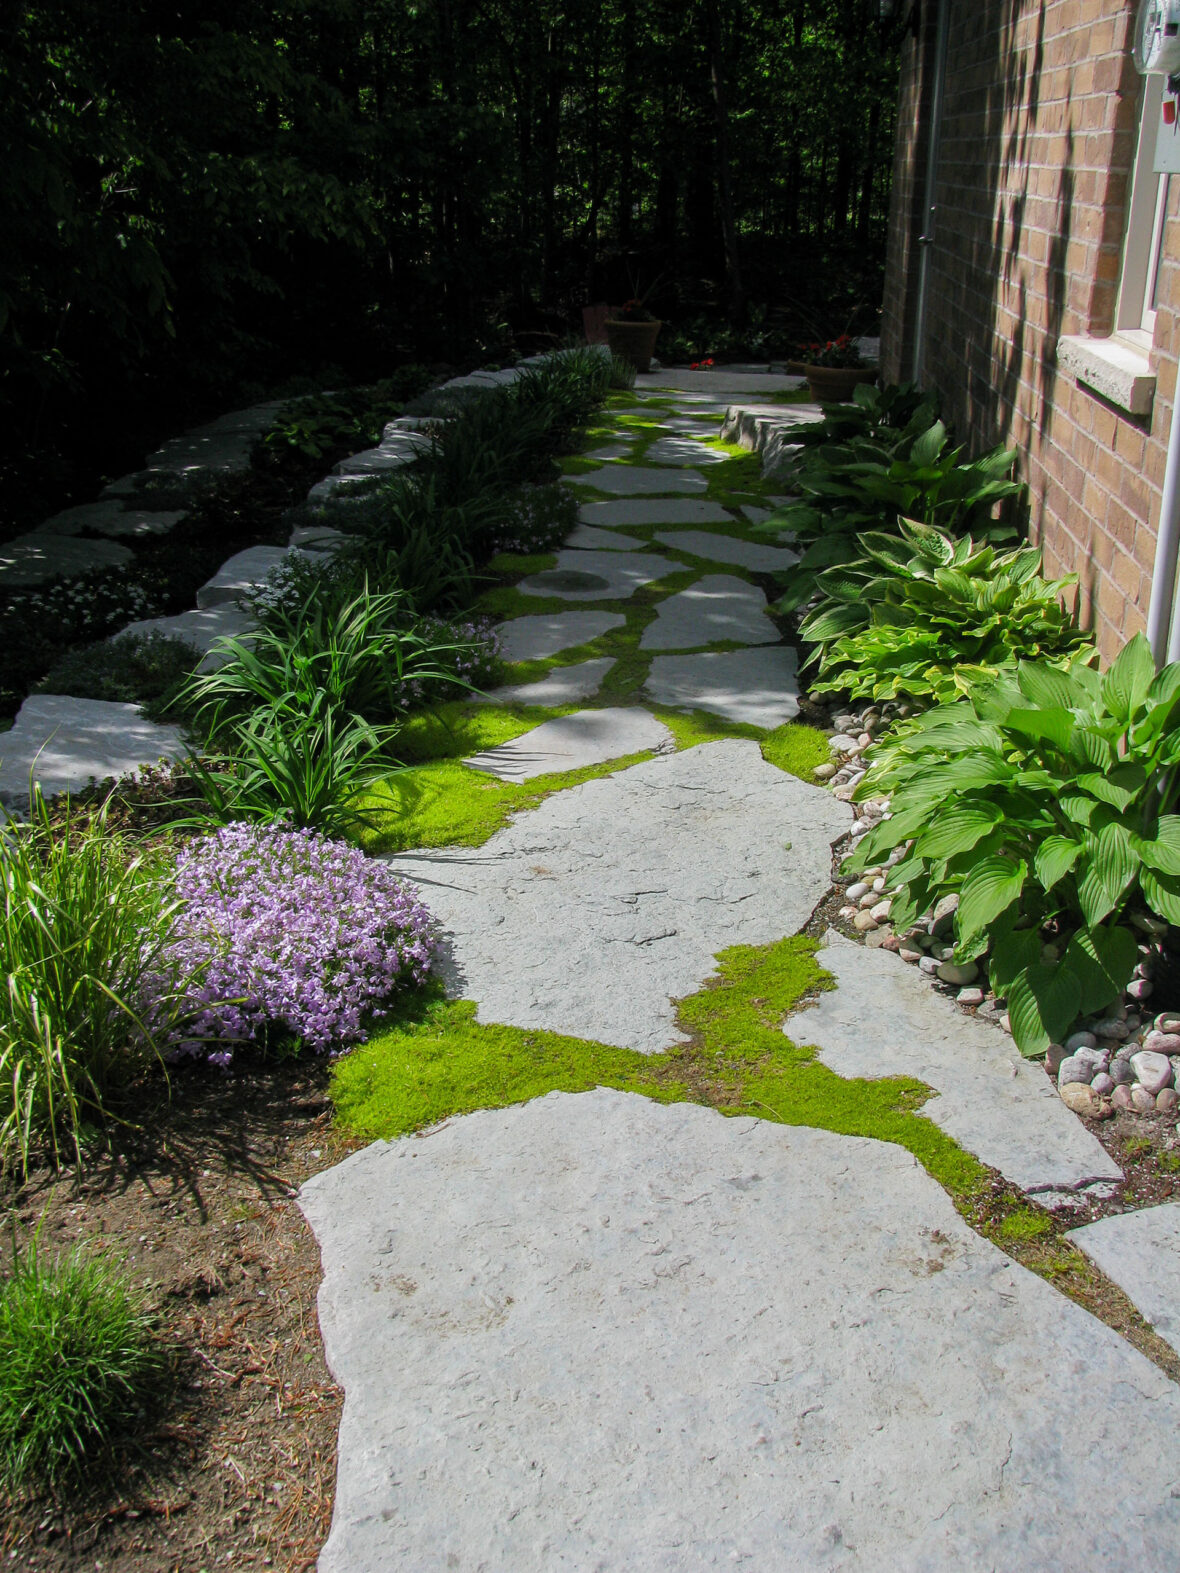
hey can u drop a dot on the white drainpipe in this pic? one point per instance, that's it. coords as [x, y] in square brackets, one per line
[1160, 619]
[926, 238]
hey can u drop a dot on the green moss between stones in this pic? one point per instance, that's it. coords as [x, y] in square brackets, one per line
[436, 1061]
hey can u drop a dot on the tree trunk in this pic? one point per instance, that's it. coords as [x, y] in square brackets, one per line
[729, 235]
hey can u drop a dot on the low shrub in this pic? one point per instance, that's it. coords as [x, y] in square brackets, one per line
[538, 519]
[89, 991]
[323, 423]
[80, 1364]
[148, 669]
[1046, 801]
[307, 938]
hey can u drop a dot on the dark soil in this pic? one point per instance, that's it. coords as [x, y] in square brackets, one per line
[237, 1465]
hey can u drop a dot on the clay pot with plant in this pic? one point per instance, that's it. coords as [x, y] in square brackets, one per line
[631, 332]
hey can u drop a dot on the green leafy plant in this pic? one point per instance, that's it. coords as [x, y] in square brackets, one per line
[323, 423]
[1046, 802]
[85, 937]
[924, 616]
[147, 669]
[80, 1363]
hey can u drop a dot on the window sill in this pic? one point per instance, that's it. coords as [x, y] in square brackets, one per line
[1119, 371]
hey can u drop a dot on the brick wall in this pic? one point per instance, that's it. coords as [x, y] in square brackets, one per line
[1035, 155]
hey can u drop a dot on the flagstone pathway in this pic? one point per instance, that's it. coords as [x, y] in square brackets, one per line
[599, 1332]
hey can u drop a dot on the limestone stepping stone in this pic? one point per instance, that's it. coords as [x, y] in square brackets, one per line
[537, 638]
[565, 685]
[203, 629]
[66, 741]
[37, 557]
[683, 451]
[883, 1019]
[753, 687]
[1140, 1251]
[612, 450]
[597, 576]
[642, 877]
[572, 742]
[659, 510]
[590, 538]
[637, 480]
[593, 1331]
[753, 555]
[317, 538]
[395, 451]
[221, 446]
[715, 608]
[109, 517]
[244, 572]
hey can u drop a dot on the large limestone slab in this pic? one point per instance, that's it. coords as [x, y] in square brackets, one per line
[206, 630]
[728, 549]
[593, 1331]
[752, 687]
[682, 450]
[715, 608]
[537, 638]
[37, 557]
[65, 742]
[565, 685]
[659, 510]
[638, 480]
[609, 451]
[588, 537]
[592, 913]
[1141, 1252]
[109, 517]
[573, 742]
[244, 572]
[883, 1019]
[598, 576]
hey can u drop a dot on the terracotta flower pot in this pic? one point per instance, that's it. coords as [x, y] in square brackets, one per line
[633, 342]
[836, 384]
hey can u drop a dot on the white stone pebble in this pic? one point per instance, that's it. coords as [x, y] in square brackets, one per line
[857, 890]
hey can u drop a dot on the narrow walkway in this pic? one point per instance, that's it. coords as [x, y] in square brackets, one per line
[597, 1331]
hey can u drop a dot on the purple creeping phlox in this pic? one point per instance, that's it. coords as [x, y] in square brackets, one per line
[299, 931]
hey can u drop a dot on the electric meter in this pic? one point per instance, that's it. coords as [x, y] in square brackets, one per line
[1157, 37]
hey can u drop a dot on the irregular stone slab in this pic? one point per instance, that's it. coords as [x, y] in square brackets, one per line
[598, 576]
[612, 450]
[594, 1331]
[215, 449]
[883, 1019]
[637, 480]
[661, 510]
[244, 572]
[715, 608]
[565, 685]
[109, 517]
[317, 538]
[573, 742]
[681, 450]
[38, 557]
[206, 630]
[66, 741]
[590, 538]
[395, 450]
[753, 687]
[537, 638]
[1141, 1252]
[592, 913]
[728, 549]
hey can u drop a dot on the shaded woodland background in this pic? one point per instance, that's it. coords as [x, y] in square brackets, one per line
[203, 202]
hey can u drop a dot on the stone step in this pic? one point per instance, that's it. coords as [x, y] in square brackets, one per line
[65, 743]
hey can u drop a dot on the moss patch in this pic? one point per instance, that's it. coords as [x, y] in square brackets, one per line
[436, 1061]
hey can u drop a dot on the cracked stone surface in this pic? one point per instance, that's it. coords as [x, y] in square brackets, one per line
[659, 510]
[728, 549]
[598, 576]
[244, 572]
[1141, 1252]
[588, 537]
[637, 480]
[884, 1019]
[717, 607]
[755, 687]
[683, 450]
[563, 686]
[642, 876]
[38, 557]
[66, 741]
[537, 638]
[200, 628]
[571, 742]
[595, 1332]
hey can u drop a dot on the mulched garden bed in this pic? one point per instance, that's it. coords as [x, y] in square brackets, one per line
[237, 1465]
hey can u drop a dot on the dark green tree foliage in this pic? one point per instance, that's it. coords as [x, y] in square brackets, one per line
[199, 198]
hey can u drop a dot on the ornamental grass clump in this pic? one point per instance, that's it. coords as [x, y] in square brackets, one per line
[292, 937]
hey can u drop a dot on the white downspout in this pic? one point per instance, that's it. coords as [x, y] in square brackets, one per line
[926, 238]
[1160, 620]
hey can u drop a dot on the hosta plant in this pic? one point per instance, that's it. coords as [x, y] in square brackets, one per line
[924, 616]
[1047, 802]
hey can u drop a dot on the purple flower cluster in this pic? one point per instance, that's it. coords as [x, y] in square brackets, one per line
[476, 660]
[296, 931]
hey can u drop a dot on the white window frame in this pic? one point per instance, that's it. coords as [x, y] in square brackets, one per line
[1143, 241]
